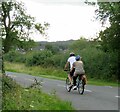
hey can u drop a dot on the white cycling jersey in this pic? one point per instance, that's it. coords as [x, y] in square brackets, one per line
[71, 60]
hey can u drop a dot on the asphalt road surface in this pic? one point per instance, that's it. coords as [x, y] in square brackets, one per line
[94, 97]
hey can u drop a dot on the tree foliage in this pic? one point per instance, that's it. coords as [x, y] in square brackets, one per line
[16, 24]
[53, 48]
[110, 37]
[81, 44]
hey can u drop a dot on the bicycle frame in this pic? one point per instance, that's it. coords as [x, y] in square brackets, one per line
[79, 83]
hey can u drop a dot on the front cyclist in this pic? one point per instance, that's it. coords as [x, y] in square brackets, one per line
[70, 62]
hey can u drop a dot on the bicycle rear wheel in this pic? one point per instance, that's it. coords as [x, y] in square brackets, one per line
[81, 87]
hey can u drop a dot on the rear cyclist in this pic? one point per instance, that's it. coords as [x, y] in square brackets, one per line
[79, 70]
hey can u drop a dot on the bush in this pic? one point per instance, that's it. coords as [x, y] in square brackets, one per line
[98, 64]
[57, 60]
[38, 58]
[14, 56]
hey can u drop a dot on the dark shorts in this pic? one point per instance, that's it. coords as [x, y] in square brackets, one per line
[72, 72]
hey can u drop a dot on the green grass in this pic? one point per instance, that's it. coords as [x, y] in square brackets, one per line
[36, 70]
[18, 98]
[51, 72]
[102, 82]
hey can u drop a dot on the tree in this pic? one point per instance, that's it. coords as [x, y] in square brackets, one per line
[16, 24]
[82, 43]
[53, 48]
[26, 45]
[110, 37]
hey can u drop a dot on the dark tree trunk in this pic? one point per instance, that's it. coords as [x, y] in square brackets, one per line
[7, 42]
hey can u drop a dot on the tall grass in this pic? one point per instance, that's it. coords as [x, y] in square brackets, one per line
[18, 98]
[35, 70]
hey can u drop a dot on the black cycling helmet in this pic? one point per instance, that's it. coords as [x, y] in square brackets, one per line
[72, 54]
[77, 57]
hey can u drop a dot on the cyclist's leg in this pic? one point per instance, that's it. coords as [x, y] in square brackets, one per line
[85, 78]
[74, 79]
[80, 76]
[71, 76]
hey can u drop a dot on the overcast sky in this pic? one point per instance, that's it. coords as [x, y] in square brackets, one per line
[68, 19]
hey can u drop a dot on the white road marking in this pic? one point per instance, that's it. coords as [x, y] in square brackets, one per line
[117, 96]
[88, 90]
[65, 86]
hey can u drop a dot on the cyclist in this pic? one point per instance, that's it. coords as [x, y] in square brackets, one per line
[79, 70]
[70, 62]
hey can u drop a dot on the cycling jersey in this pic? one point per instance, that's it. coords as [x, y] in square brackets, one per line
[71, 60]
[79, 67]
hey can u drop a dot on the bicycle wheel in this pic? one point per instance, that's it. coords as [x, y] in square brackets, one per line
[68, 84]
[81, 87]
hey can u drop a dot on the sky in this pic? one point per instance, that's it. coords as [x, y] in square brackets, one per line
[68, 19]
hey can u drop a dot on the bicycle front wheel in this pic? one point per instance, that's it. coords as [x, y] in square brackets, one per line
[68, 84]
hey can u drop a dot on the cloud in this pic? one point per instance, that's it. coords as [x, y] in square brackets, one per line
[66, 21]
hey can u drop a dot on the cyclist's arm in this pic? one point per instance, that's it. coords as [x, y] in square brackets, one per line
[66, 65]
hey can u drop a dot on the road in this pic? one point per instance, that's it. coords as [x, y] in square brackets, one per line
[94, 98]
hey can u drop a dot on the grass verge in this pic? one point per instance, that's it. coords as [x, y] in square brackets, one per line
[50, 72]
[17, 98]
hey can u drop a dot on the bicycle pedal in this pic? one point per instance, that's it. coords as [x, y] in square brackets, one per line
[75, 89]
